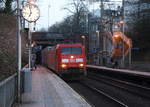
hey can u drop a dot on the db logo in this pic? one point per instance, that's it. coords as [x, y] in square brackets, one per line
[72, 60]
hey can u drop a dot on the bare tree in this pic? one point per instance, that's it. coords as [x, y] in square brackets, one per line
[6, 6]
[137, 26]
[8, 52]
[78, 10]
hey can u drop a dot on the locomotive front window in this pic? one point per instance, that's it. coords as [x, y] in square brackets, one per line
[71, 50]
[76, 50]
[66, 50]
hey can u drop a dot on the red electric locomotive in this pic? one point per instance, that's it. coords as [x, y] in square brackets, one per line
[45, 55]
[66, 59]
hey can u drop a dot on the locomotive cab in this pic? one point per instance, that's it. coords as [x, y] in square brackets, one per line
[66, 59]
[72, 60]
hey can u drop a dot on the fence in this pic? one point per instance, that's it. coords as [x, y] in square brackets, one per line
[8, 91]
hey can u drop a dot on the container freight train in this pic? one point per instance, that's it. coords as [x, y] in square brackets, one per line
[65, 59]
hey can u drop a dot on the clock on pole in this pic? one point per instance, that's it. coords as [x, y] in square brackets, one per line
[31, 12]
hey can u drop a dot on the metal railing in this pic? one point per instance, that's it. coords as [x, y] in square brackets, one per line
[8, 91]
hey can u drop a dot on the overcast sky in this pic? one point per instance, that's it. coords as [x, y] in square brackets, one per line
[55, 10]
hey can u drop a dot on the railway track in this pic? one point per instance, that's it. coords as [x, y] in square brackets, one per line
[100, 92]
[127, 86]
[95, 96]
[118, 93]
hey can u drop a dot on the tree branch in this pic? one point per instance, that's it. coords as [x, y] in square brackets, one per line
[3, 1]
[68, 10]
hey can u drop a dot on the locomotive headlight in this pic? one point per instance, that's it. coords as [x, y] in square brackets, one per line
[81, 65]
[72, 57]
[63, 65]
[65, 60]
[79, 60]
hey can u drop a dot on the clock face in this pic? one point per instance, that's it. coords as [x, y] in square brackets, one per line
[31, 12]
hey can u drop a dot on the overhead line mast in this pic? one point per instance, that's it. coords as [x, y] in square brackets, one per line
[18, 49]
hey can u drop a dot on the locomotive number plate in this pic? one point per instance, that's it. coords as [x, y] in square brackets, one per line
[72, 60]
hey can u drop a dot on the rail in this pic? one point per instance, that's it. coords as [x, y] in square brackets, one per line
[8, 91]
[119, 103]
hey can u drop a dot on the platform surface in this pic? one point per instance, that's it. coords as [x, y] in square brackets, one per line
[132, 72]
[48, 90]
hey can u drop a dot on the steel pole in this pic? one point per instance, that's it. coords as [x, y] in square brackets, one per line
[130, 55]
[48, 15]
[101, 12]
[98, 47]
[123, 58]
[84, 45]
[29, 36]
[18, 49]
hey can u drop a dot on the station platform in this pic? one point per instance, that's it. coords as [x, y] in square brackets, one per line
[125, 71]
[48, 90]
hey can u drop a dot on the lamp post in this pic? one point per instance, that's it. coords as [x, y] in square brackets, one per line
[48, 14]
[83, 37]
[98, 45]
[97, 33]
[123, 47]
